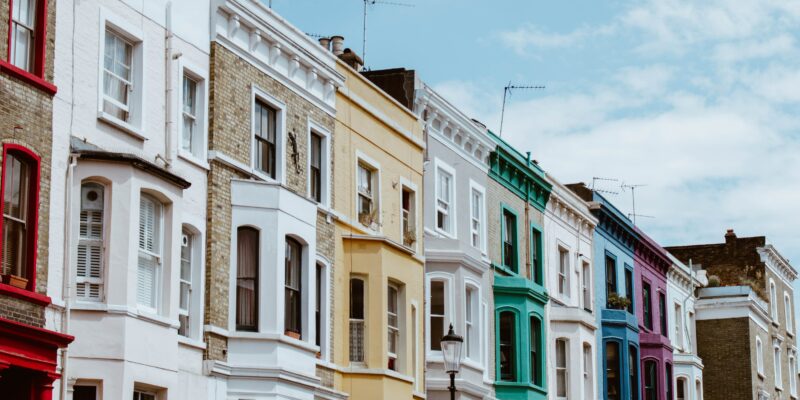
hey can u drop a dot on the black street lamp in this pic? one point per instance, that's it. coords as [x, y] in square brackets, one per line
[451, 350]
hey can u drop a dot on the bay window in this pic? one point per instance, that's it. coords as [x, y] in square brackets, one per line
[437, 314]
[357, 320]
[247, 272]
[393, 325]
[292, 300]
[150, 248]
[562, 379]
[508, 346]
[588, 384]
[20, 212]
[633, 373]
[650, 380]
[91, 243]
[536, 351]
[613, 371]
[471, 341]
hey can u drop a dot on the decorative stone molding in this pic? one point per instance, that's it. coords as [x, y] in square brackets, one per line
[777, 263]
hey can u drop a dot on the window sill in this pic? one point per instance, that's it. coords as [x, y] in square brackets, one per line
[183, 340]
[445, 234]
[121, 125]
[27, 77]
[23, 294]
[191, 159]
[505, 269]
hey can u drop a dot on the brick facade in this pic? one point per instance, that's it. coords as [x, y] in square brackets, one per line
[230, 134]
[728, 356]
[26, 113]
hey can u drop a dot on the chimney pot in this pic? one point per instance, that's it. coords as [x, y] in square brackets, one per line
[730, 237]
[325, 42]
[337, 45]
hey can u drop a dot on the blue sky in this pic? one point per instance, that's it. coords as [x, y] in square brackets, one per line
[695, 99]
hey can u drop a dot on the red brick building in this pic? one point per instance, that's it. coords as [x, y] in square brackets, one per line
[28, 351]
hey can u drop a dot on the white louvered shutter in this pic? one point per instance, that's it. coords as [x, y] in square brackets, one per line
[149, 251]
[89, 282]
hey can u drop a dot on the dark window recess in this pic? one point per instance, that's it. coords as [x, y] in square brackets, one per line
[650, 381]
[647, 306]
[536, 351]
[318, 311]
[633, 375]
[508, 347]
[662, 313]
[510, 240]
[265, 133]
[84, 393]
[293, 311]
[437, 314]
[315, 174]
[629, 289]
[247, 279]
[613, 378]
[611, 278]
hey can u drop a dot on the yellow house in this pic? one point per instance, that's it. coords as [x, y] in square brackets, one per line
[379, 275]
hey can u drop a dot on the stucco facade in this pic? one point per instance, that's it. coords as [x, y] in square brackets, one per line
[618, 341]
[130, 199]
[378, 333]
[682, 283]
[570, 264]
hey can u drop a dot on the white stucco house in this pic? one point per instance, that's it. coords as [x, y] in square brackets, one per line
[682, 282]
[129, 198]
[571, 355]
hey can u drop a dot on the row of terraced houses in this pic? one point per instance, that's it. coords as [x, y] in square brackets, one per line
[202, 202]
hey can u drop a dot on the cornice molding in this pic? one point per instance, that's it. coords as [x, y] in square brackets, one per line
[520, 176]
[565, 206]
[775, 261]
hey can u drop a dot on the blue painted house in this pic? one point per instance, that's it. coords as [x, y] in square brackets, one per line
[615, 288]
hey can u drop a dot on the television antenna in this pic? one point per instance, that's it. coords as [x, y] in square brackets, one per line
[597, 178]
[633, 200]
[507, 91]
[364, 33]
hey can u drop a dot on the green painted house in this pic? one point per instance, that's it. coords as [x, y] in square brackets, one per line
[518, 193]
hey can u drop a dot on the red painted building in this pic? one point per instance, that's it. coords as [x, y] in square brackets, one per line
[28, 351]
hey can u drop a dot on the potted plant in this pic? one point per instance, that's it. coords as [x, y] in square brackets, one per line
[409, 237]
[713, 281]
[16, 281]
[369, 219]
[617, 302]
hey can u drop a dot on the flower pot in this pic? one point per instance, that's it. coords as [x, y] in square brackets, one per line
[293, 335]
[17, 281]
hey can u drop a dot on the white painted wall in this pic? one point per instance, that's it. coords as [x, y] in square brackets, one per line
[117, 343]
[681, 283]
[569, 226]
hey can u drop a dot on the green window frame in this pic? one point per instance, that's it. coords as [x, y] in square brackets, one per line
[536, 346]
[512, 342]
[509, 244]
[537, 255]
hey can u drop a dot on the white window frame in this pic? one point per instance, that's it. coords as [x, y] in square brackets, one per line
[280, 134]
[136, 119]
[773, 302]
[397, 329]
[452, 227]
[362, 158]
[407, 185]
[564, 369]
[325, 162]
[449, 298]
[195, 310]
[586, 286]
[587, 366]
[481, 232]
[473, 286]
[159, 256]
[759, 357]
[103, 242]
[787, 313]
[679, 323]
[564, 271]
[325, 311]
[365, 303]
[776, 351]
[30, 54]
[139, 393]
[200, 76]
[792, 374]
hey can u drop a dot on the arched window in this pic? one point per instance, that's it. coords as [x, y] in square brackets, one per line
[293, 296]
[633, 372]
[680, 389]
[668, 380]
[189, 310]
[437, 314]
[562, 360]
[537, 352]
[357, 320]
[759, 356]
[698, 389]
[20, 214]
[247, 269]
[613, 371]
[151, 222]
[91, 237]
[773, 301]
[508, 346]
[471, 321]
[650, 380]
[787, 311]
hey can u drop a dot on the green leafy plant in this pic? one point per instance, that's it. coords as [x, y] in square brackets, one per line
[618, 302]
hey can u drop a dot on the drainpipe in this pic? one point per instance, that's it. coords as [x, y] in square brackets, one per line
[168, 91]
[528, 225]
[66, 285]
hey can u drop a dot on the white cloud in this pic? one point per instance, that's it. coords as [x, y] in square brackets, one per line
[532, 36]
[746, 50]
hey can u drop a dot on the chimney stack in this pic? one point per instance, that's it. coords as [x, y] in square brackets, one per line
[730, 237]
[325, 42]
[352, 59]
[337, 45]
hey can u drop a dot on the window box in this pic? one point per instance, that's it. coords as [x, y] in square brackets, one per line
[15, 281]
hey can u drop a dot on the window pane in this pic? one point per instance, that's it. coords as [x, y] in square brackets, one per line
[293, 264]
[633, 376]
[536, 347]
[561, 368]
[247, 279]
[507, 346]
[437, 314]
